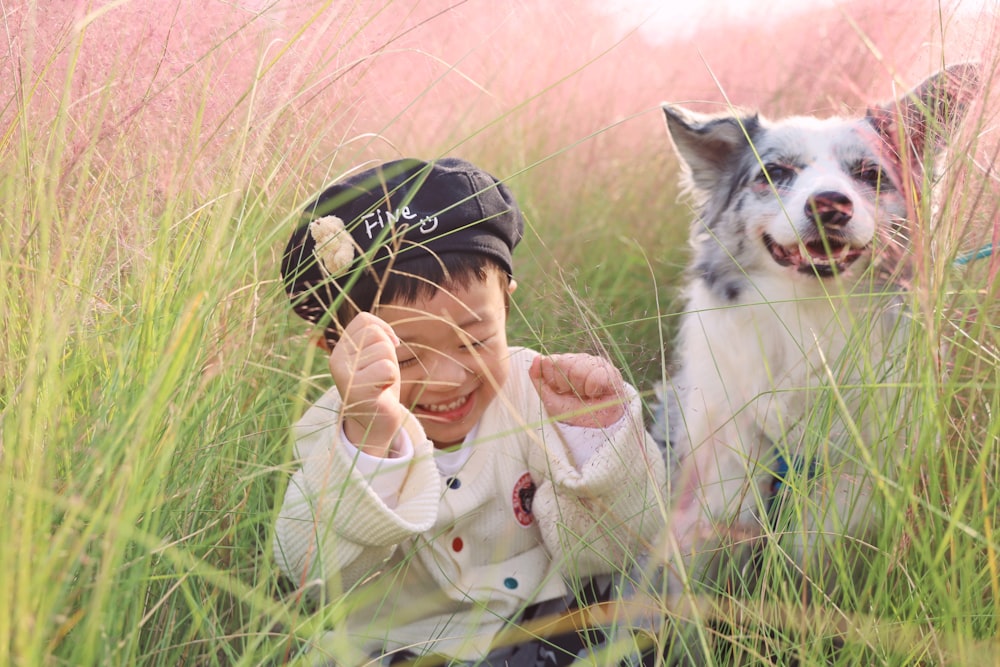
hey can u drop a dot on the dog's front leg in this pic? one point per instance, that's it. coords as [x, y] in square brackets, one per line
[839, 522]
[714, 501]
[710, 512]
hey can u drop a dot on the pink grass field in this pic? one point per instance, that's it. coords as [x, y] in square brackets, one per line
[167, 85]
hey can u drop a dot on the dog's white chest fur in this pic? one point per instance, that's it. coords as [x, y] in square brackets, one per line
[751, 372]
[747, 362]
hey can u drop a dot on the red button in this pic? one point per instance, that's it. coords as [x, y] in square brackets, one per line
[457, 544]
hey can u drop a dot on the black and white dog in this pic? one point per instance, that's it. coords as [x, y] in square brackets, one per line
[791, 343]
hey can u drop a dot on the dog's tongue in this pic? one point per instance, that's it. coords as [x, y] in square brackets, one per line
[814, 255]
[817, 250]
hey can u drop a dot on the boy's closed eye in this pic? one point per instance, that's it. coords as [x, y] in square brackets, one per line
[474, 343]
[405, 355]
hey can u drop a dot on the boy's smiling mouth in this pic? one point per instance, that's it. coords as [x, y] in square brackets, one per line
[448, 411]
[445, 407]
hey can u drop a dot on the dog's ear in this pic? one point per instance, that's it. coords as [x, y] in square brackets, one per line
[919, 123]
[708, 144]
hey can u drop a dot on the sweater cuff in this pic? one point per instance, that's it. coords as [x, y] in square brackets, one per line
[585, 441]
[385, 480]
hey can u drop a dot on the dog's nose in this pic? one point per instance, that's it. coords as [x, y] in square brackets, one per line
[830, 209]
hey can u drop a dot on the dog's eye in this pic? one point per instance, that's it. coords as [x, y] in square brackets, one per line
[873, 176]
[780, 174]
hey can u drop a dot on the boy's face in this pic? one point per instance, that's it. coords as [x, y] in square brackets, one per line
[453, 355]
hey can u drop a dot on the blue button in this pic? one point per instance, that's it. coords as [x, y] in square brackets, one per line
[510, 582]
[453, 482]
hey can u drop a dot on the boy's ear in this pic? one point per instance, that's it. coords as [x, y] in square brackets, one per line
[322, 343]
[511, 286]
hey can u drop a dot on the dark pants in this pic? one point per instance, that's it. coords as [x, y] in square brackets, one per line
[560, 650]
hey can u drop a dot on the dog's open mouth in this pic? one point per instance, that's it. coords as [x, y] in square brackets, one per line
[817, 257]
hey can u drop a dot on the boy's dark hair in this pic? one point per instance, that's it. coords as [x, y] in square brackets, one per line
[397, 233]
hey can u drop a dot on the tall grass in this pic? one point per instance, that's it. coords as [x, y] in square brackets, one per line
[150, 367]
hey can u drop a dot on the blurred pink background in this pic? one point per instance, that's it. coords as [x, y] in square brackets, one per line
[172, 87]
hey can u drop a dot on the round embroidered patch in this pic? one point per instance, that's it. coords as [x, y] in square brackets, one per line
[524, 494]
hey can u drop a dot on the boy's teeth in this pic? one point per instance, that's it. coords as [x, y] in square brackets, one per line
[445, 407]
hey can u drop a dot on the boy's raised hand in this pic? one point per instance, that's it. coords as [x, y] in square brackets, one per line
[365, 369]
[579, 389]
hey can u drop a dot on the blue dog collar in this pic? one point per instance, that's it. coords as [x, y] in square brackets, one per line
[799, 465]
[973, 255]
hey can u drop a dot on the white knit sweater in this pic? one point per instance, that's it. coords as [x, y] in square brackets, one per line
[445, 566]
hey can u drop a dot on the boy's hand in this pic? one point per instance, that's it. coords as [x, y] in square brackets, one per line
[579, 389]
[365, 369]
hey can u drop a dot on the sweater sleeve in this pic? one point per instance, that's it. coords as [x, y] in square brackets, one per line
[333, 525]
[598, 514]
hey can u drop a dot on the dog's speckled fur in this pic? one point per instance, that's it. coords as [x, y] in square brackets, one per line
[800, 257]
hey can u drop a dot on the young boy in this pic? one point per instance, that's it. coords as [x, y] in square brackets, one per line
[450, 486]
